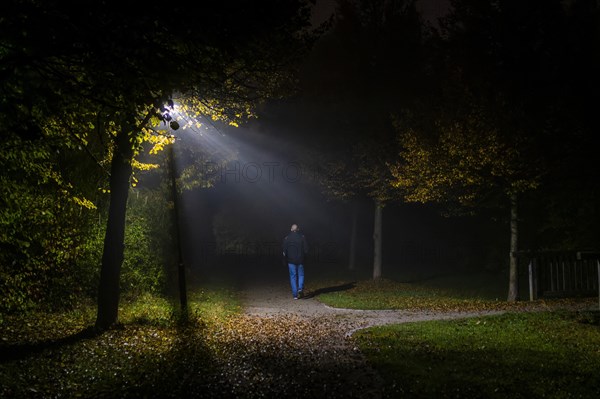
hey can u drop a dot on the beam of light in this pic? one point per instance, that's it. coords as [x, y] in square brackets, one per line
[266, 173]
[254, 170]
[268, 169]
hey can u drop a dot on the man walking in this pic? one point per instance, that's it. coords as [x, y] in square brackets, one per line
[294, 250]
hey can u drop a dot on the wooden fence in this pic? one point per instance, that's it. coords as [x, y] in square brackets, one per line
[562, 274]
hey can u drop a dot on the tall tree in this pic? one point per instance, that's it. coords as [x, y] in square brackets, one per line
[124, 69]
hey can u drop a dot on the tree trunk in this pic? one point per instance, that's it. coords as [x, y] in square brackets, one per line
[112, 256]
[353, 234]
[377, 238]
[513, 285]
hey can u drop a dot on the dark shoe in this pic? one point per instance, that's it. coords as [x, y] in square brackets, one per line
[301, 294]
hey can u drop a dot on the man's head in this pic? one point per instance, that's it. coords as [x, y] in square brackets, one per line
[294, 227]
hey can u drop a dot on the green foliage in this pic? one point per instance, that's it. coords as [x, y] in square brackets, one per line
[464, 160]
[142, 270]
[149, 248]
[52, 241]
[514, 355]
[42, 227]
[147, 240]
[88, 264]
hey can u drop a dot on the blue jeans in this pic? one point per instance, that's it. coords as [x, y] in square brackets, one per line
[296, 278]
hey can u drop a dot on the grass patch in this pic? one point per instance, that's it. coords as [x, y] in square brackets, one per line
[150, 354]
[526, 355]
[442, 295]
[481, 285]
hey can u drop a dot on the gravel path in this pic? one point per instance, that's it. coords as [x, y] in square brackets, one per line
[270, 300]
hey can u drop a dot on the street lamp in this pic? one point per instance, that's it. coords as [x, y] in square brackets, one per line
[180, 264]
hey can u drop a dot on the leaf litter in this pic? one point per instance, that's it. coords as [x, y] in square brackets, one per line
[276, 348]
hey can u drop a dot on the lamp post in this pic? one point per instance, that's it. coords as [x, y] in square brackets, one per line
[180, 264]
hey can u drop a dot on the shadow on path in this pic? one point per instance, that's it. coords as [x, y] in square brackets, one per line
[23, 350]
[317, 292]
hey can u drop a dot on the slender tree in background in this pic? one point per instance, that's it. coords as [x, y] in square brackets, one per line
[125, 67]
[374, 178]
